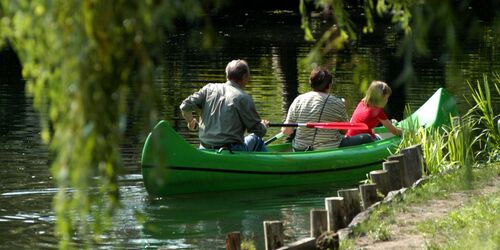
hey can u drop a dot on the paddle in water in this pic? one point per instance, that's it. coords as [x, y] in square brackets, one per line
[274, 138]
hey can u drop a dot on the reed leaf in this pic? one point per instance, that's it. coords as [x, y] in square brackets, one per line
[482, 116]
[433, 146]
[459, 141]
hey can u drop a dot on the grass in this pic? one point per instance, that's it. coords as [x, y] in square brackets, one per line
[438, 187]
[474, 226]
[380, 233]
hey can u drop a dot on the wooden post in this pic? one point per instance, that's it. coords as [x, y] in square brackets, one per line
[319, 222]
[368, 194]
[335, 213]
[393, 169]
[273, 234]
[402, 168]
[413, 165]
[233, 241]
[381, 178]
[352, 203]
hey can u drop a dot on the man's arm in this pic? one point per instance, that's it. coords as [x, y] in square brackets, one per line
[190, 104]
[250, 118]
[192, 122]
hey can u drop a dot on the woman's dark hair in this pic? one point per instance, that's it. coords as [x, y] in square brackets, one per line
[320, 79]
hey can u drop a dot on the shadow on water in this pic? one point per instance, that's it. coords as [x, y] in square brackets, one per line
[12, 96]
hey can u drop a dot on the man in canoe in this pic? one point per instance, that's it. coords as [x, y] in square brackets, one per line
[317, 105]
[226, 113]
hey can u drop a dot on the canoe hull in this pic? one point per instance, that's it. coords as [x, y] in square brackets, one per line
[212, 171]
[172, 166]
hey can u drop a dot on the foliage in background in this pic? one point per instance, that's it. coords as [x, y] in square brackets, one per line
[417, 22]
[79, 59]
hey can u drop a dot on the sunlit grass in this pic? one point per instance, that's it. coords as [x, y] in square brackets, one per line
[439, 186]
[474, 226]
[380, 233]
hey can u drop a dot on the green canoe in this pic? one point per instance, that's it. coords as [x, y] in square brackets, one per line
[170, 165]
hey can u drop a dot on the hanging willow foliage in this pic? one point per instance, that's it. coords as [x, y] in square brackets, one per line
[79, 59]
[416, 21]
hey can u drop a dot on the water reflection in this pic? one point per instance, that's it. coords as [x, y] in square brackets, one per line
[204, 219]
[26, 219]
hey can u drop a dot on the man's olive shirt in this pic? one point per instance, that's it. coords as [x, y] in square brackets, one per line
[226, 113]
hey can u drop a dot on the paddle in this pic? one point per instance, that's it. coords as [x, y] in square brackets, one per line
[323, 125]
[274, 138]
[320, 125]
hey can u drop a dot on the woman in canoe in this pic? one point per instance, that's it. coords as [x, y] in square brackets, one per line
[370, 110]
[315, 106]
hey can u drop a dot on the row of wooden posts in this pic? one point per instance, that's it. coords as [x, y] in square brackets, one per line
[399, 171]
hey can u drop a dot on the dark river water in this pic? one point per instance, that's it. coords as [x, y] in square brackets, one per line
[272, 43]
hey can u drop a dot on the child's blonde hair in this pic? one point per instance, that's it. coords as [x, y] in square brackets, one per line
[376, 92]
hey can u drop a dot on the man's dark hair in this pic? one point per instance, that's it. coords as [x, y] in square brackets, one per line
[320, 79]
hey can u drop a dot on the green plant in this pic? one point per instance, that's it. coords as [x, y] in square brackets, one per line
[433, 147]
[411, 135]
[484, 117]
[348, 244]
[459, 141]
[380, 233]
[432, 141]
[247, 244]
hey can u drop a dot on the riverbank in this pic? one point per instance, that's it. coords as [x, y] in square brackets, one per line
[455, 210]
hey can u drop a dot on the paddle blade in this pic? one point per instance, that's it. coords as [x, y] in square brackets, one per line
[274, 138]
[337, 125]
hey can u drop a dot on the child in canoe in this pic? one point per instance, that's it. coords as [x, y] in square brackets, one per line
[370, 111]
